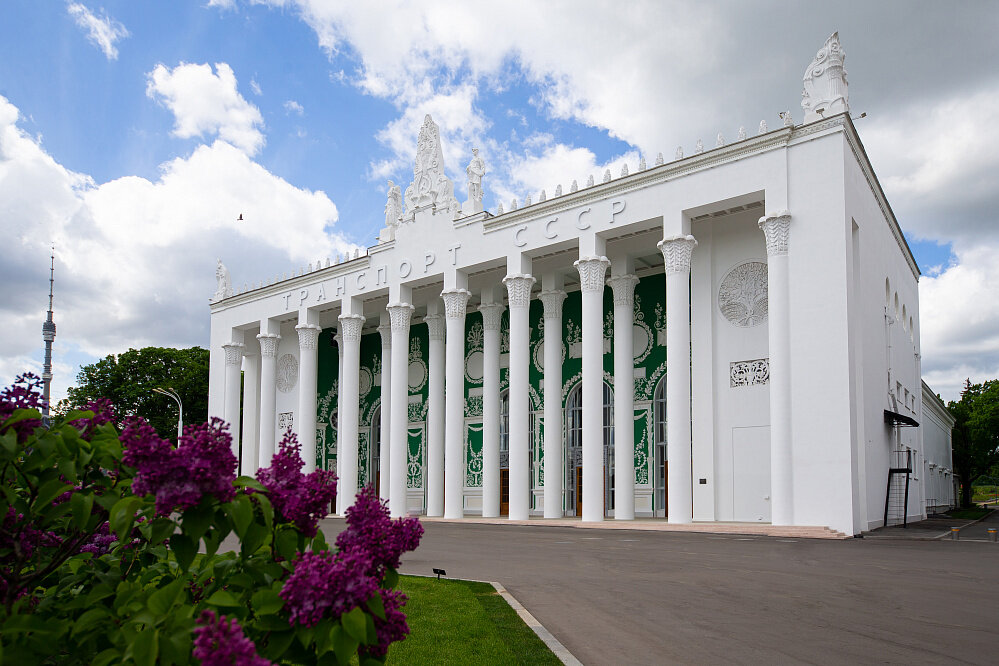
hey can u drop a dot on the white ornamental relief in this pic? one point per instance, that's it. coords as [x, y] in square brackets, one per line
[287, 373]
[749, 373]
[286, 421]
[430, 186]
[742, 296]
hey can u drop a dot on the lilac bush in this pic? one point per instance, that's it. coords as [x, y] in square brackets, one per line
[324, 584]
[219, 641]
[371, 532]
[302, 499]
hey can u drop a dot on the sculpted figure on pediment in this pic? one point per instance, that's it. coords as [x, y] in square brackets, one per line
[223, 282]
[430, 185]
[826, 92]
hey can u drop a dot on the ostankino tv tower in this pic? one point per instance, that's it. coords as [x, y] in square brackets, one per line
[48, 335]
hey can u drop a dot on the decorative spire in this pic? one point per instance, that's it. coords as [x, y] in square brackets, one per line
[659, 159]
[825, 87]
[699, 148]
[742, 133]
[48, 335]
[430, 185]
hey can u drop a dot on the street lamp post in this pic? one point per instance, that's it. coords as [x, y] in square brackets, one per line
[170, 392]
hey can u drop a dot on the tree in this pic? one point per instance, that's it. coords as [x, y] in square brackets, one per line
[128, 380]
[976, 433]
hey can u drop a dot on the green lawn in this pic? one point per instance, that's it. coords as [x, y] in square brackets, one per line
[973, 513]
[460, 622]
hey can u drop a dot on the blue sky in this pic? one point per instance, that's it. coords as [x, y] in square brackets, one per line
[133, 134]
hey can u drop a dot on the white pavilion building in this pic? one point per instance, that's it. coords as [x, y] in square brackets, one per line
[731, 335]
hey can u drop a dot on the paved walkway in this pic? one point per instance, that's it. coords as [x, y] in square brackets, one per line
[613, 596]
[939, 527]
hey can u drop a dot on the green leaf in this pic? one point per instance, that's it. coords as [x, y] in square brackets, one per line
[370, 627]
[88, 620]
[344, 645]
[270, 623]
[254, 538]
[391, 579]
[376, 606]
[278, 643]
[354, 624]
[223, 599]
[196, 520]
[240, 511]
[184, 549]
[319, 543]
[163, 599]
[82, 504]
[266, 601]
[122, 515]
[249, 482]
[49, 491]
[146, 647]
[160, 529]
[108, 656]
[286, 544]
[324, 637]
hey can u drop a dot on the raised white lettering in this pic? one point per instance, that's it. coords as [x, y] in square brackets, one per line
[454, 253]
[428, 259]
[321, 296]
[615, 210]
[517, 240]
[381, 276]
[359, 280]
[405, 268]
[579, 219]
[287, 302]
[549, 233]
[341, 288]
[302, 295]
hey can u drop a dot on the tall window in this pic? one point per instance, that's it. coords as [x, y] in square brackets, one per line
[375, 459]
[659, 430]
[574, 442]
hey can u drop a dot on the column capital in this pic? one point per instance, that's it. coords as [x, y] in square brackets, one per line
[268, 344]
[350, 327]
[591, 272]
[435, 326]
[233, 353]
[676, 253]
[400, 315]
[308, 335]
[552, 300]
[518, 289]
[777, 228]
[385, 330]
[624, 289]
[492, 313]
[455, 302]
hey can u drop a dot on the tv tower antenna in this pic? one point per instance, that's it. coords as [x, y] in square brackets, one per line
[48, 335]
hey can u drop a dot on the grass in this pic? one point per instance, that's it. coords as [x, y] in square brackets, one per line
[973, 513]
[461, 622]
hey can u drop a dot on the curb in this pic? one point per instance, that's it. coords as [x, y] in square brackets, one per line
[961, 527]
[546, 636]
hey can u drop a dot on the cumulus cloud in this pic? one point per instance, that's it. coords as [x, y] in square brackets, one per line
[135, 258]
[102, 31]
[206, 104]
[291, 106]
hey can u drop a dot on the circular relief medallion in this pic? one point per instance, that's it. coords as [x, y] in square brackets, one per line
[417, 375]
[473, 367]
[742, 297]
[287, 373]
[364, 381]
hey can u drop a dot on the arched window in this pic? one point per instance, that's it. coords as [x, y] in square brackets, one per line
[659, 431]
[574, 447]
[374, 457]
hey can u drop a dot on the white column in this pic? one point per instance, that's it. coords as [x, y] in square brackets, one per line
[384, 449]
[401, 314]
[492, 314]
[624, 396]
[676, 252]
[233, 365]
[350, 329]
[777, 228]
[268, 395]
[248, 465]
[455, 302]
[518, 288]
[435, 416]
[591, 279]
[308, 364]
[554, 464]
[338, 338]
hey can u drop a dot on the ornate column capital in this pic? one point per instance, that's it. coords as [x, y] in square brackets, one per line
[552, 300]
[350, 327]
[435, 326]
[777, 228]
[518, 289]
[624, 289]
[308, 336]
[385, 330]
[492, 314]
[455, 302]
[268, 344]
[591, 272]
[676, 253]
[233, 353]
[400, 315]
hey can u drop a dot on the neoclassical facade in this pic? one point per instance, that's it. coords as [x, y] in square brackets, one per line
[731, 335]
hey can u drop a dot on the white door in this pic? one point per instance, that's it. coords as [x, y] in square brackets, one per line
[751, 474]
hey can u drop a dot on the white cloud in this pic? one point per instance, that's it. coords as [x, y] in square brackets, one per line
[103, 31]
[291, 106]
[135, 258]
[206, 104]
[255, 87]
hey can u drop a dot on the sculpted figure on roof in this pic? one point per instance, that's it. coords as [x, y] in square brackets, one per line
[430, 185]
[826, 91]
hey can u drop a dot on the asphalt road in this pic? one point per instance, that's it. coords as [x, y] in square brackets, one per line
[615, 597]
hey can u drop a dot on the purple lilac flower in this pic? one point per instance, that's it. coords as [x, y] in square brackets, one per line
[393, 628]
[221, 642]
[327, 585]
[101, 541]
[28, 539]
[301, 499]
[103, 413]
[22, 394]
[201, 464]
[370, 531]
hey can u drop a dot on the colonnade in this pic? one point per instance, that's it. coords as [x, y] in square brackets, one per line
[445, 462]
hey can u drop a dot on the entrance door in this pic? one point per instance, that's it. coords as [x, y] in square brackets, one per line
[659, 418]
[574, 449]
[505, 492]
[751, 464]
[579, 490]
[375, 458]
